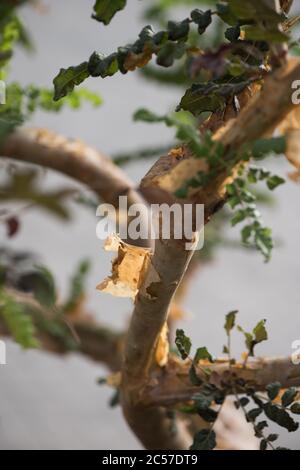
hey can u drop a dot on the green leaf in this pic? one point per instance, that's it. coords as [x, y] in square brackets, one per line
[209, 415]
[170, 52]
[281, 417]
[202, 354]
[233, 33]
[263, 147]
[274, 181]
[41, 284]
[211, 96]
[145, 115]
[259, 33]
[263, 444]
[178, 29]
[18, 322]
[204, 440]
[258, 335]
[103, 66]
[23, 187]
[67, 79]
[289, 396]
[230, 321]
[105, 10]
[202, 19]
[273, 390]
[295, 408]
[260, 332]
[244, 401]
[253, 414]
[195, 380]
[183, 344]
[249, 10]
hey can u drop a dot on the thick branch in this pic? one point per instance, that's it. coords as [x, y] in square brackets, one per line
[172, 386]
[88, 338]
[170, 258]
[72, 158]
[264, 112]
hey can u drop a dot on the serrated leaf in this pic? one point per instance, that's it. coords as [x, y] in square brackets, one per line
[105, 10]
[183, 344]
[178, 29]
[281, 417]
[230, 321]
[202, 354]
[260, 332]
[68, 78]
[209, 96]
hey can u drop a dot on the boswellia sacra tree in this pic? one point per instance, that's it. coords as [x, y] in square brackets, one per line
[236, 68]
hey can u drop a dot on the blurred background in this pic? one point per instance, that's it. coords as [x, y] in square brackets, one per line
[49, 402]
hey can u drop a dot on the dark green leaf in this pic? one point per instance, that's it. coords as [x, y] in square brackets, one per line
[202, 19]
[209, 415]
[289, 397]
[274, 181]
[66, 80]
[178, 29]
[280, 416]
[233, 33]
[263, 444]
[40, 283]
[204, 440]
[183, 344]
[273, 390]
[253, 414]
[105, 10]
[295, 408]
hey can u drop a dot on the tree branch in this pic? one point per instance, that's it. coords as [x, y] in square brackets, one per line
[259, 117]
[72, 158]
[170, 259]
[88, 338]
[172, 385]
